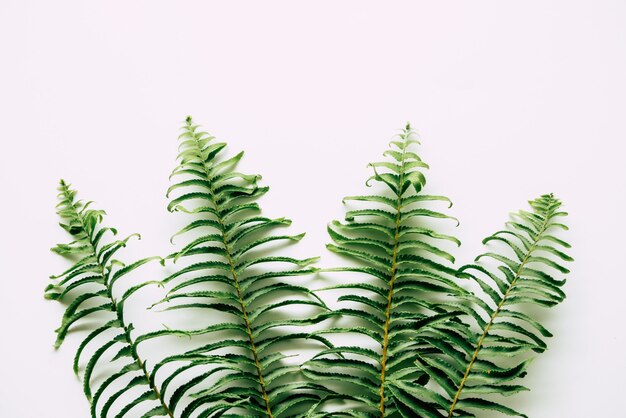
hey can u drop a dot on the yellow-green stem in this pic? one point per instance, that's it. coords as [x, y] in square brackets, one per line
[242, 303]
[394, 267]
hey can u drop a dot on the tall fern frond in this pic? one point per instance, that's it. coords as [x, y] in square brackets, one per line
[470, 371]
[87, 287]
[402, 272]
[221, 278]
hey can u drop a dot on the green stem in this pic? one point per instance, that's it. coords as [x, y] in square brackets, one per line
[231, 263]
[394, 267]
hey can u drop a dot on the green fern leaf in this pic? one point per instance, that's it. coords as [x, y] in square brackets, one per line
[229, 239]
[495, 352]
[87, 288]
[408, 269]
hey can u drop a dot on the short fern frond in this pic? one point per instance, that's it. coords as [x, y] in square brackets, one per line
[87, 288]
[488, 360]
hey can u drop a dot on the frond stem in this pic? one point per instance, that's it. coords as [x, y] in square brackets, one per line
[394, 267]
[242, 303]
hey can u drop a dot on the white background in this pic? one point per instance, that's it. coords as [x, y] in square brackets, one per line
[511, 99]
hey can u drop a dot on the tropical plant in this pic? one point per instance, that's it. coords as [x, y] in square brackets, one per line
[477, 361]
[409, 273]
[438, 347]
[426, 339]
[88, 290]
[255, 309]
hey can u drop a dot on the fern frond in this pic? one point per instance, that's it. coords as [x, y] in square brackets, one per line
[409, 273]
[228, 240]
[87, 288]
[496, 354]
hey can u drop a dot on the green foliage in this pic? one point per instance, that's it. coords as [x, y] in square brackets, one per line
[87, 289]
[440, 350]
[425, 339]
[232, 240]
[493, 348]
[403, 272]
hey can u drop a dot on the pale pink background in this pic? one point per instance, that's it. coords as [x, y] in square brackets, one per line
[512, 100]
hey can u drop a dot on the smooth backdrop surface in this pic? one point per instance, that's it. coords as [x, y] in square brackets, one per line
[511, 99]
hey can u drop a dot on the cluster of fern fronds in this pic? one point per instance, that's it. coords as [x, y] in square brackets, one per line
[410, 334]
